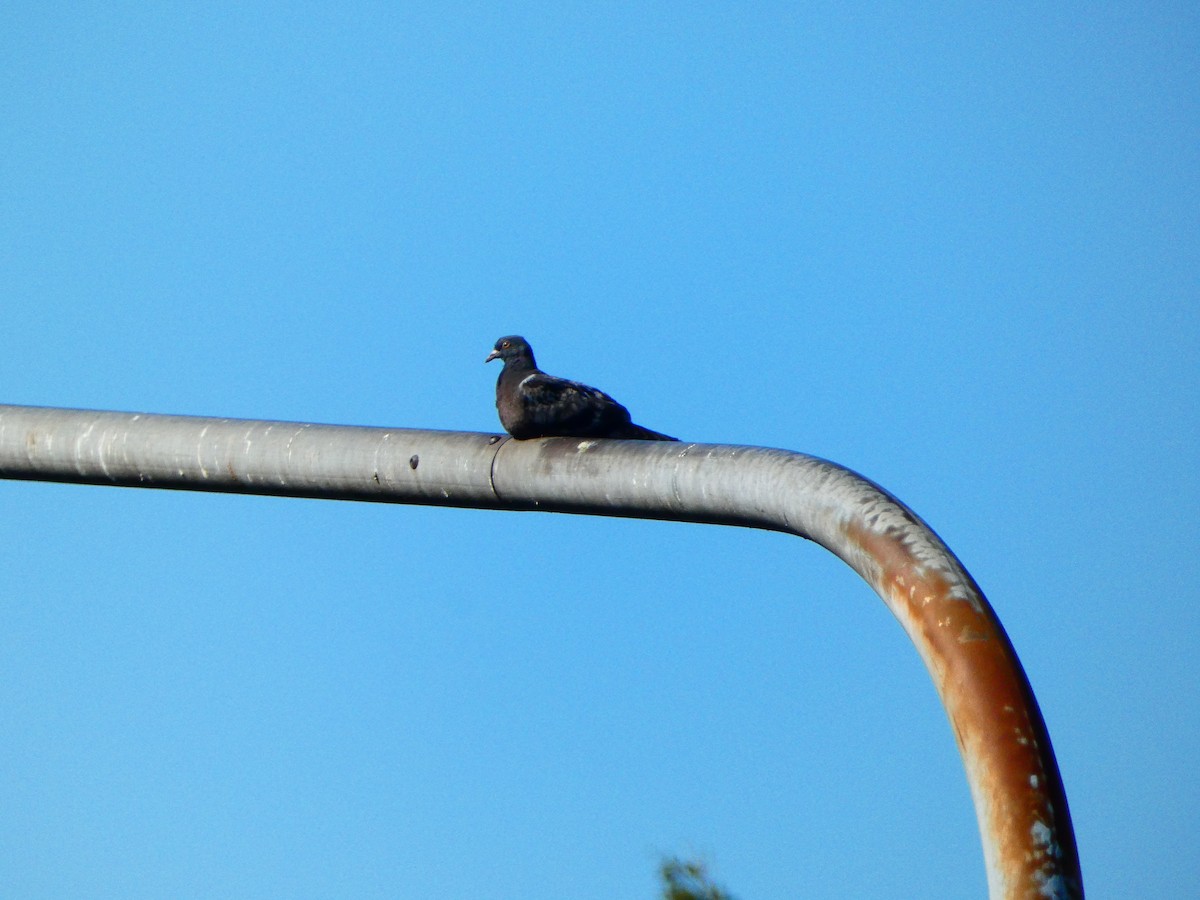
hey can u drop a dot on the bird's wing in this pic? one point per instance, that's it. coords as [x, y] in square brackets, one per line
[561, 406]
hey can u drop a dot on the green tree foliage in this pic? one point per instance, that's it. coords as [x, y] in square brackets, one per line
[689, 880]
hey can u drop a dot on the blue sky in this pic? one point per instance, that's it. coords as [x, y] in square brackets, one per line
[955, 249]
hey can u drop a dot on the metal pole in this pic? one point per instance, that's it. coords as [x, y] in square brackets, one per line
[1024, 822]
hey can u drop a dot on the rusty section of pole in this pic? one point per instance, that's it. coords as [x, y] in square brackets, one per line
[1028, 841]
[1018, 794]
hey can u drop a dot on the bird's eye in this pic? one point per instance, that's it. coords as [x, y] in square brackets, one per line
[504, 345]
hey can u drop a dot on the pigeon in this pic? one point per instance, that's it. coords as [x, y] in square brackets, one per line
[533, 404]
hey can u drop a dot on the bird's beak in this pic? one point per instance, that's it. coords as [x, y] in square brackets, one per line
[495, 354]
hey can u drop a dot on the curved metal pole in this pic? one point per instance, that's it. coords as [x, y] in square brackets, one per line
[1028, 841]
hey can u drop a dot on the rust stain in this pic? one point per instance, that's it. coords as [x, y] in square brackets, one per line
[986, 696]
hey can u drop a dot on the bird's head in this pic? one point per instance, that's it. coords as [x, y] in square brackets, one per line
[511, 347]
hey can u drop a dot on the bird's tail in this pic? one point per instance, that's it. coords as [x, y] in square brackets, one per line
[633, 432]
